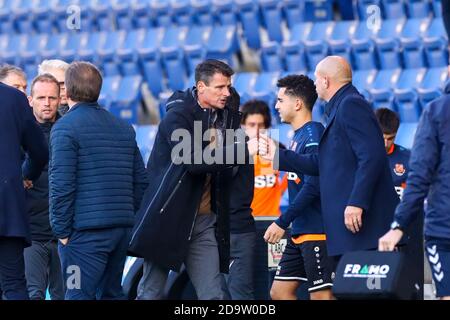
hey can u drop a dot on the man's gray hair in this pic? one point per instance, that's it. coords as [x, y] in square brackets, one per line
[47, 65]
[6, 70]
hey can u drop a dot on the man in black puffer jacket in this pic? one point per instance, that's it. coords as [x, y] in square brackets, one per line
[42, 265]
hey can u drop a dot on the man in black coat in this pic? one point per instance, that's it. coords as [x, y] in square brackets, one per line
[184, 214]
[18, 131]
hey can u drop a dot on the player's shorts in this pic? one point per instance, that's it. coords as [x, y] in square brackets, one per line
[438, 254]
[307, 262]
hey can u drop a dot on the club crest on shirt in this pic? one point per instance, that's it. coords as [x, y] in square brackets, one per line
[399, 169]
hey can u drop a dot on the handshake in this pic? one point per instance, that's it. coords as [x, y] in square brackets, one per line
[261, 144]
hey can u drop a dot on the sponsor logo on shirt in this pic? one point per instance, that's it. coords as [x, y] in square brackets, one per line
[399, 169]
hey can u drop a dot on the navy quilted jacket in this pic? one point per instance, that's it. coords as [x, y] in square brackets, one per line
[96, 173]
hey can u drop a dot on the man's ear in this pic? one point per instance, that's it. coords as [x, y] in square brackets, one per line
[201, 87]
[298, 104]
[30, 100]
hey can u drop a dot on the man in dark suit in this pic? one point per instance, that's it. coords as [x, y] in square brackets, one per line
[357, 192]
[18, 129]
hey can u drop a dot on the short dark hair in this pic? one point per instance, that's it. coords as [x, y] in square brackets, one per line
[46, 77]
[256, 107]
[388, 120]
[300, 86]
[208, 68]
[83, 82]
[7, 69]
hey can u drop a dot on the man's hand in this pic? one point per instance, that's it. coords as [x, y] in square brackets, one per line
[390, 240]
[253, 146]
[64, 241]
[274, 234]
[27, 184]
[267, 147]
[353, 218]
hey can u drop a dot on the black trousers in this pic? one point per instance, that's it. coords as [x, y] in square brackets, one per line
[12, 269]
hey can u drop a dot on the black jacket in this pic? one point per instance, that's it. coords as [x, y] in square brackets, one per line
[37, 199]
[170, 204]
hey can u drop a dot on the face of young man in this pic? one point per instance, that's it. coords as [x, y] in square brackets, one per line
[17, 81]
[389, 140]
[286, 106]
[45, 101]
[216, 93]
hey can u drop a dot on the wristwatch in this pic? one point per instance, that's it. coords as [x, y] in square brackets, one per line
[395, 225]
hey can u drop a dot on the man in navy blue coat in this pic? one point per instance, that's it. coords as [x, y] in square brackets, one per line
[18, 131]
[357, 192]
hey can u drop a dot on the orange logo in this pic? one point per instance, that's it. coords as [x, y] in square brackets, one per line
[399, 169]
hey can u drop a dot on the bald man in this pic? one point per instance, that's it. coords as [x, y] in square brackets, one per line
[357, 193]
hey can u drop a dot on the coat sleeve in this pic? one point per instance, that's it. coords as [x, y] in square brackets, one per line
[288, 160]
[62, 178]
[363, 134]
[140, 179]
[425, 155]
[309, 192]
[33, 143]
[188, 149]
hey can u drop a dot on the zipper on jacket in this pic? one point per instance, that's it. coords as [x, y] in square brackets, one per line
[172, 194]
[150, 204]
[192, 227]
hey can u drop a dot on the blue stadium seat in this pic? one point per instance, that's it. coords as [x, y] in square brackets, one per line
[190, 82]
[413, 55]
[435, 78]
[127, 53]
[6, 17]
[411, 79]
[194, 55]
[315, 53]
[271, 57]
[182, 12]
[11, 53]
[265, 87]
[418, 8]
[53, 46]
[390, 29]
[318, 111]
[243, 83]
[30, 55]
[393, 9]
[22, 17]
[435, 44]
[163, 97]
[340, 37]
[203, 12]
[364, 55]
[363, 79]
[161, 13]
[413, 29]
[225, 11]
[294, 56]
[405, 134]
[90, 45]
[381, 91]
[293, 11]
[426, 96]
[122, 14]
[271, 12]
[140, 12]
[300, 31]
[248, 12]
[145, 138]
[362, 7]
[103, 14]
[108, 92]
[436, 29]
[319, 33]
[174, 36]
[42, 16]
[318, 10]
[107, 53]
[174, 66]
[407, 105]
[149, 58]
[223, 44]
[127, 102]
[363, 33]
[437, 8]
[389, 54]
[67, 12]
